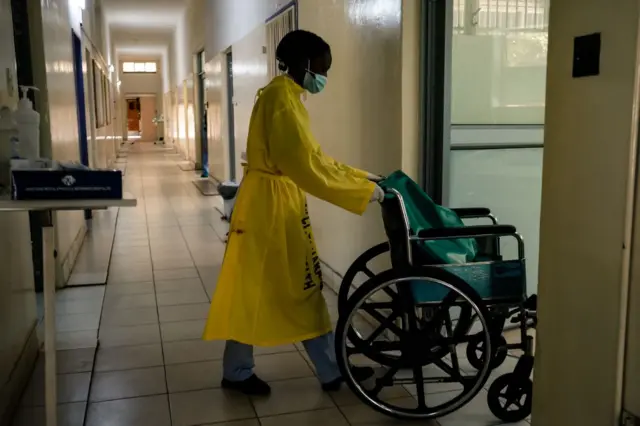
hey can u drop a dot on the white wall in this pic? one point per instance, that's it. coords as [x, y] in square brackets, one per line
[180, 52]
[142, 83]
[228, 21]
[352, 122]
[588, 189]
[217, 126]
[197, 24]
[250, 73]
[188, 39]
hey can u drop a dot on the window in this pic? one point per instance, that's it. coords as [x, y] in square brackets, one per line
[98, 94]
[493, 17]
[105, 91]
[128, 67]
[140, 67]
[505, 42]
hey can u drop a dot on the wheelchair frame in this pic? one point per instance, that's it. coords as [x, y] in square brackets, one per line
[492, 313]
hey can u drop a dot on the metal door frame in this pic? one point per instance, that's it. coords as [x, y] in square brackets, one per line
[202, 108]
[231, 115]
[435, 97]
[81, 112]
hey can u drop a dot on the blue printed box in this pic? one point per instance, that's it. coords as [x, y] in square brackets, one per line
[48, 184]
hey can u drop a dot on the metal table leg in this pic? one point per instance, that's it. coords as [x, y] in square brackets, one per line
[49, 279]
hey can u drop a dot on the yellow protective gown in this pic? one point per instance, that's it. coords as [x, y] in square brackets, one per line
[269, 289]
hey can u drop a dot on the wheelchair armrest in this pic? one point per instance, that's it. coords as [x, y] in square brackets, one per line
[467, 232]
[472, 212]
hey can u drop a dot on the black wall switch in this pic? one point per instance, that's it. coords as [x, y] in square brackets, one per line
[586, 55]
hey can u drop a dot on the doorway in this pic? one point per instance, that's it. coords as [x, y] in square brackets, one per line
[81, 112]
[133, 118]
[80, 99]
[202, 107]
[231, 121]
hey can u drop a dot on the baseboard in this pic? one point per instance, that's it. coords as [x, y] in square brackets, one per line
[331, 278]
[67, 264]
[13, 389]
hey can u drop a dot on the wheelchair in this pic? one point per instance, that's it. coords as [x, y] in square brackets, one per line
[422, 323]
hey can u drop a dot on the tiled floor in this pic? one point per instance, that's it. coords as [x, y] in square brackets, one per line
[151, 368]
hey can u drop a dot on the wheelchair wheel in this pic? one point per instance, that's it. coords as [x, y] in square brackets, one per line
[417, 354]
[464, 316]
[360, 265]
[475, 351]
[510, 397]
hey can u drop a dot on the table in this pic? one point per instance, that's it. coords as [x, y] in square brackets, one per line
[46, 209]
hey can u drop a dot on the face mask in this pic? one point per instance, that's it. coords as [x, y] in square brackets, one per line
[314, 83]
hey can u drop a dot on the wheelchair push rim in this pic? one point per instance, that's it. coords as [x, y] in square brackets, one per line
[413, 348]
[361, 265]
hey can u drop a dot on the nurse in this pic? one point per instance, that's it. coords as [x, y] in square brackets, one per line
[269, 291]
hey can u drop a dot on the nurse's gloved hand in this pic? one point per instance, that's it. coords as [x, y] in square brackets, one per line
[374, 178]
[378, 195]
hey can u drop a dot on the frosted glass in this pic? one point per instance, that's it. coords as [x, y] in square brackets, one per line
[504, 42]
[150, 67]
[509, 182]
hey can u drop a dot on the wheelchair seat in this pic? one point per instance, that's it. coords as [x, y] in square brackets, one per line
[422, 232]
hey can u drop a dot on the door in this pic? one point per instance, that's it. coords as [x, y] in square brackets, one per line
[133, 115]
[80, 104]
[148, 129]
[80, 99]
[202, 107]
[231, 106]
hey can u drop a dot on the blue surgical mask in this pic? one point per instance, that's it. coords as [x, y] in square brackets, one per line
[314, 83]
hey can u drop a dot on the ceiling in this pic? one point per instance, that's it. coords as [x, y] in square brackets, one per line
[143, 14]
[142, 27]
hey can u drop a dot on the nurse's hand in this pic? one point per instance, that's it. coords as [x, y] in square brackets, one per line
[378, 195]
[374, 178]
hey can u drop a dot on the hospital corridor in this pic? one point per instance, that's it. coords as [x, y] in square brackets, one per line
[314, 212]
[151, 367]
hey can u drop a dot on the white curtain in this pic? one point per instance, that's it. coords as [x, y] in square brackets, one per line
[277, 28]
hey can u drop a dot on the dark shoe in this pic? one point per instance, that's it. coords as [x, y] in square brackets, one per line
[359, 373]
[253, 386]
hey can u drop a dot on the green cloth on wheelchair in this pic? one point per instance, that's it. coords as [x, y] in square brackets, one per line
[423, 213]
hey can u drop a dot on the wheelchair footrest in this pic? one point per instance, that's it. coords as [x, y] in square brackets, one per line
[531, 304]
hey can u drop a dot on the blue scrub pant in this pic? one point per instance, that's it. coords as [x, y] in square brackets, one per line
[238, 360]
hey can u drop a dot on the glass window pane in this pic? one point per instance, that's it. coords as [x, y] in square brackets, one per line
[505, 43]
[139, 66]
[150, 67]
[509, 182]
[128, 67]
